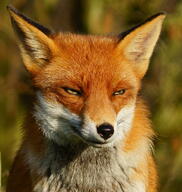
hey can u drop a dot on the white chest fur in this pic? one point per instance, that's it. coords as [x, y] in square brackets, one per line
[83, 169]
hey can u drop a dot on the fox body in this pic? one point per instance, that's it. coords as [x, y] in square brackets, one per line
[88, 130]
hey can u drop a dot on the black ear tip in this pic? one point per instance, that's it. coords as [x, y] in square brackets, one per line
[11, 8]
[162, 13]
[13, 11]
[156, 15]
[122, 35]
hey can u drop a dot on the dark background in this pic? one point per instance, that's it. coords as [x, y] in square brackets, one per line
[162, 86]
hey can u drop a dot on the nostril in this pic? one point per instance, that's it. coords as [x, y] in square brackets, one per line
[105, 130]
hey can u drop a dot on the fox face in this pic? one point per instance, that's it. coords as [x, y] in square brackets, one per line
[93, 87]
[87, 86]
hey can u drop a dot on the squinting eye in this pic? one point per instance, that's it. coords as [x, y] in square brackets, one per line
[119, 92]
[72, 91]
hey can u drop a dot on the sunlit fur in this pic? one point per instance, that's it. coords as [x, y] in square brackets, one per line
[61, 149]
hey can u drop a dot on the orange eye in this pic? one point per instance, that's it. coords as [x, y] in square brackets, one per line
[119, 92]
[72, 91]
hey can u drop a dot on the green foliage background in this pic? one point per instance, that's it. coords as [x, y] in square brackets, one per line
[162, 86]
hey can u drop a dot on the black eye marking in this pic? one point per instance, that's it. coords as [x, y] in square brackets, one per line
[72, 91]
[119, 92]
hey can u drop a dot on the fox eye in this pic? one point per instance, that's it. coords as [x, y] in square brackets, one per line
[119, 92]
[72, 91]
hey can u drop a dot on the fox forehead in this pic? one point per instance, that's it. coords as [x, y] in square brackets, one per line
[86, 59]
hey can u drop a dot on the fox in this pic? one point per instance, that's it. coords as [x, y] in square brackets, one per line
[89, 129]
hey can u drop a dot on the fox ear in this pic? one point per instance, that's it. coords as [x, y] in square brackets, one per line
[138, 43]
[36, 45]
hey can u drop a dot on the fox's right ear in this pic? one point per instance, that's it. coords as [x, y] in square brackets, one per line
[137, 44]
[37, 47]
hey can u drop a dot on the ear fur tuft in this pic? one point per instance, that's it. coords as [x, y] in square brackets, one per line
[137, 44]
[36, 45]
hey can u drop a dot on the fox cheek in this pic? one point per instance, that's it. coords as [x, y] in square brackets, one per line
[124, 120]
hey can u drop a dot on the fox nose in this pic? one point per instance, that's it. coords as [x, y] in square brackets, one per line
[105, 130]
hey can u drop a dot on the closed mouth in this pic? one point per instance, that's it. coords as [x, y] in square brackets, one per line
[90, 142]
[99, 144]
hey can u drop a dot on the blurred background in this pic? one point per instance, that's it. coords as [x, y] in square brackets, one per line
[162, 86]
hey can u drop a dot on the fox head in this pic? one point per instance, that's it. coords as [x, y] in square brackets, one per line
[86, 85]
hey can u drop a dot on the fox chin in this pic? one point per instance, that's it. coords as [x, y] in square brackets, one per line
[88, 130]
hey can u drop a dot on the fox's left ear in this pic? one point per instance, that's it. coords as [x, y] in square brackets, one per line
[138, 43]
[37, 46]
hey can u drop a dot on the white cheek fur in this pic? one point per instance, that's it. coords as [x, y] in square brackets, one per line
[55, 120]
[124, 121]
[139, 186]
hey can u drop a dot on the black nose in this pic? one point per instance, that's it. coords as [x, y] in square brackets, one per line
[105, 130]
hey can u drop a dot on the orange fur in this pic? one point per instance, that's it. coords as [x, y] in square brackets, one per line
[98, 66]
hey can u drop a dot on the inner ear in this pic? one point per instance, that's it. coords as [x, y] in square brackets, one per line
[37, 46]
[32, 45]
[137, 44]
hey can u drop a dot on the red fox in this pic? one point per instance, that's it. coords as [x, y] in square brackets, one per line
[89, 129]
